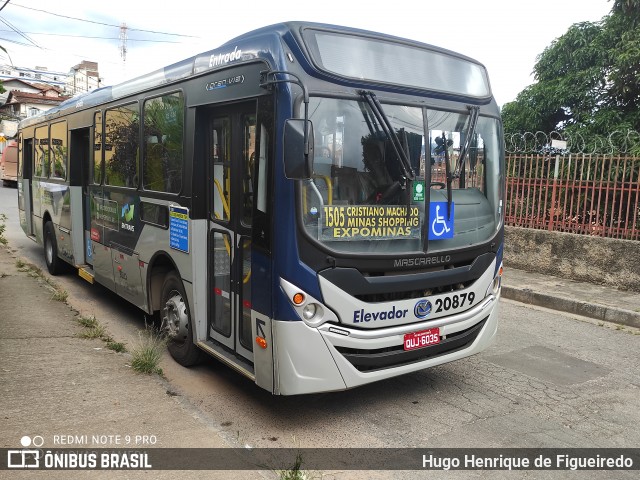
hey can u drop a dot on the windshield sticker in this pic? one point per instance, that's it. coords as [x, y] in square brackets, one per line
[441, 224]
[369, 222]
[418, 191]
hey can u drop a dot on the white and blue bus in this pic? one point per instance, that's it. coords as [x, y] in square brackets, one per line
[316, 206]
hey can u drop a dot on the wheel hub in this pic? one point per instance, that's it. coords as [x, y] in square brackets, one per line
[175, 319]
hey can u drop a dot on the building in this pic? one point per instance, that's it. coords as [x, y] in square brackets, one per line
[30, 91]
[30, 100]
[38, 74]
[82, 78]
[26, 104]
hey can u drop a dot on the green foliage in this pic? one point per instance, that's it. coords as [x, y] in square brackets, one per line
[118, 347]
[147, 354]
[3, 218]
[587, 80]
[2, 89]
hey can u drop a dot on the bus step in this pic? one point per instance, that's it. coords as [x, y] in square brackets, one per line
[86, 272]
[227, 357]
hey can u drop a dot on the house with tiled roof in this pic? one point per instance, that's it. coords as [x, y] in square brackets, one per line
[23, 104]
[32, 91]
[27, 104]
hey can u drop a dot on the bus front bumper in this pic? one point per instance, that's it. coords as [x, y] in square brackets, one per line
[335, 357]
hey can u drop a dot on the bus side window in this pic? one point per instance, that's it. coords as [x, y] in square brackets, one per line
[58, 149]
[121, 146]
[97, 149]
[163, 142]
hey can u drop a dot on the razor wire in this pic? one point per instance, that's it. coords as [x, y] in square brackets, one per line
[618, 142]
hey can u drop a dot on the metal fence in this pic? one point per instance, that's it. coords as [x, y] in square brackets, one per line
[578, 193]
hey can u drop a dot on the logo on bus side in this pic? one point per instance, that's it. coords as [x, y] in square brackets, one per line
[127, 216]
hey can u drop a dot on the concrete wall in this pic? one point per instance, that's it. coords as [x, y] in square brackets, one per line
[603, 261]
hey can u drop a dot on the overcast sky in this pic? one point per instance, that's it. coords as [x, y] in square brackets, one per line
[505, 35]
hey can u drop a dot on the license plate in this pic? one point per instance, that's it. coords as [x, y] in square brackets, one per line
[424, 338]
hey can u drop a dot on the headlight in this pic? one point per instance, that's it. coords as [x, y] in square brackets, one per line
[309, 311]
[494, 288]
[312, 314]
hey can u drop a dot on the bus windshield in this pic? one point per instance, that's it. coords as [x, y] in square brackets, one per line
[361, 199]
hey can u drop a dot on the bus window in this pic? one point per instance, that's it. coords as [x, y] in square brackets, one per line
[41, 158]
[58, 145]
[97, 149]
[163, 132]
[121, 146]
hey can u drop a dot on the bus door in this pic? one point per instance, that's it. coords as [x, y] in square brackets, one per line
[231, 152]
[25, 194]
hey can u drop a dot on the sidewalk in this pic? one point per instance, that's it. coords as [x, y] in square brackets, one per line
[585, 299]
[65, 390]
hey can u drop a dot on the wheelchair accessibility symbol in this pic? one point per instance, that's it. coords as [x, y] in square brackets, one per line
[439, 225]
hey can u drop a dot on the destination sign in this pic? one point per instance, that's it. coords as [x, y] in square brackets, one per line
[369, 222]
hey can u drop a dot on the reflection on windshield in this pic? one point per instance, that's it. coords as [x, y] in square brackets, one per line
[359, 199]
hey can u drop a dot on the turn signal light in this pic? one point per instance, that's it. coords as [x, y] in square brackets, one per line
[261, 342]
[298, 299]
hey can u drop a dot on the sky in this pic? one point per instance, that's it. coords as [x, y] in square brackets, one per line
[504, 35]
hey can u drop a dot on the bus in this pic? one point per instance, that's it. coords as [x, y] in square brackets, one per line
[276, 203]
[9, 164]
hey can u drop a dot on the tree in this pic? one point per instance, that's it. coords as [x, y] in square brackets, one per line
[587, 80]
[2, 89]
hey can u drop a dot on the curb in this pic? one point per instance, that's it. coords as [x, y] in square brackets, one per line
[585, 309]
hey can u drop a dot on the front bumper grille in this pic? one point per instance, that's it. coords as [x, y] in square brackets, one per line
[371, 360]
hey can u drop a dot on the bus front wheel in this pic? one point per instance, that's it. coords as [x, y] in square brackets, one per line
[54, 264]
[176, 322]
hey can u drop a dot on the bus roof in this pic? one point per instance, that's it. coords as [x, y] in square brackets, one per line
[260, 44]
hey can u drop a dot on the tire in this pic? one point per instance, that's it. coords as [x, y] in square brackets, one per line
[176, 321]
[54, 263]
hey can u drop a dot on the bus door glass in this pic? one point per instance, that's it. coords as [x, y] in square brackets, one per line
[231, 152]
[25, 195]
[93, 190]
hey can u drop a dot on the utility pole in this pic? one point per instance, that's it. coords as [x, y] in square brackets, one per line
[123, 41]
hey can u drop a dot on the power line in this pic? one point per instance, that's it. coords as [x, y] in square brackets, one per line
[100, 23]
[8, 24]
[96, 37]
[18, 43]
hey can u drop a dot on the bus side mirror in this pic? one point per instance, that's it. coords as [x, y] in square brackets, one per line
[298, 149]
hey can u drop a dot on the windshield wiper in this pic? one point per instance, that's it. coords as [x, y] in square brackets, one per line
[400, 148]
[468, 136]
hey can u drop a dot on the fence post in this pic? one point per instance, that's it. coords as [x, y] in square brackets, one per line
[553, 195]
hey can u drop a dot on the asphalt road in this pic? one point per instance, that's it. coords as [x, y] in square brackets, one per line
[549, 380]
